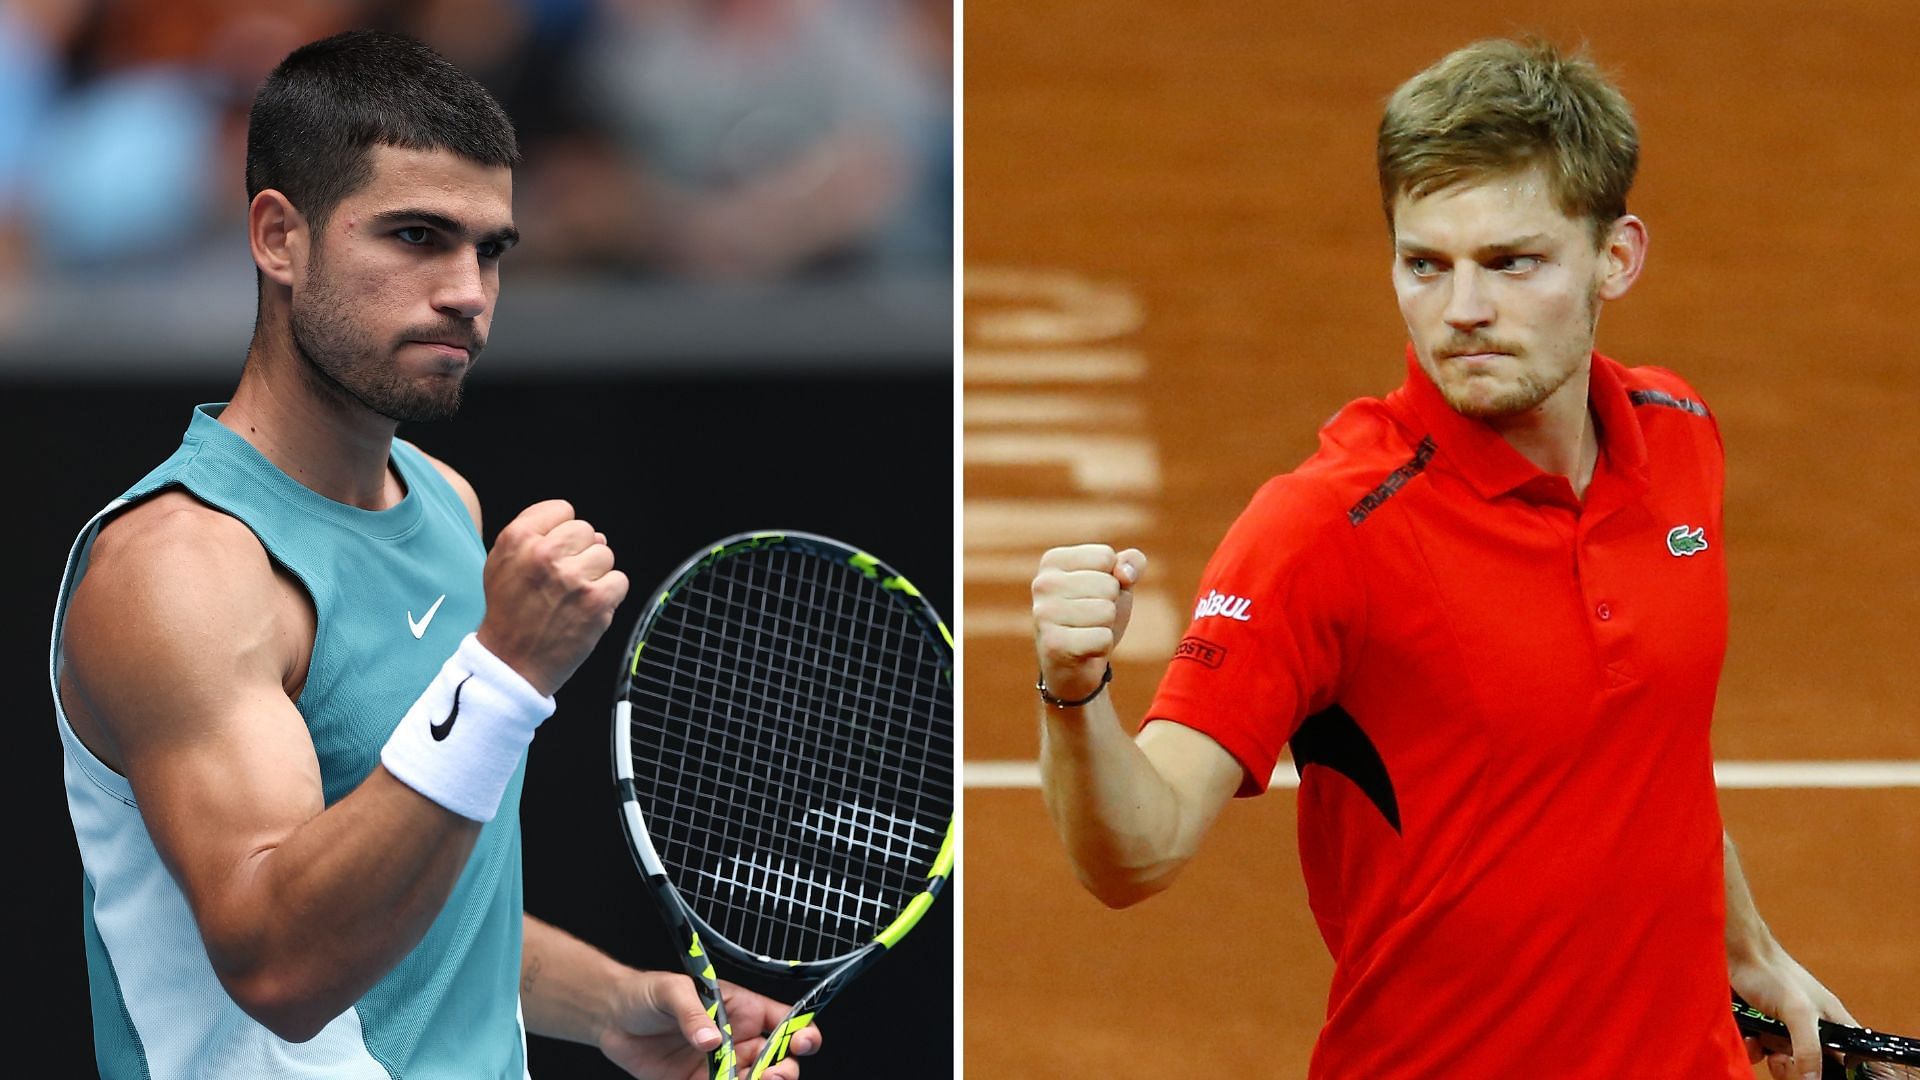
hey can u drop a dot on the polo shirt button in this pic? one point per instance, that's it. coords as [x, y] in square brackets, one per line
[1604, 612]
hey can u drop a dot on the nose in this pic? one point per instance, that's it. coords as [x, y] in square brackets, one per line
[461, 290]
[1468, 305]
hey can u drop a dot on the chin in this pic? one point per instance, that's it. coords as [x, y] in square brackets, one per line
[1482, 402]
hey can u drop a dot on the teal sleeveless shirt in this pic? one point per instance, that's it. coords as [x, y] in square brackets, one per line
[394, 591]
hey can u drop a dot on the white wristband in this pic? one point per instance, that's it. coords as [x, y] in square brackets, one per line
[461, 742]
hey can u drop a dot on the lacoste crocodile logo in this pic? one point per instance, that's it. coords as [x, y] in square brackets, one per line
[445, 727]
[1682, 540]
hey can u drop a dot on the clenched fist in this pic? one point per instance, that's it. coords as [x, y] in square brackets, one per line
[551, 590]
[1082, 598]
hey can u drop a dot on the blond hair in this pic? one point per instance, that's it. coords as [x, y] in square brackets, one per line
[1500, 106]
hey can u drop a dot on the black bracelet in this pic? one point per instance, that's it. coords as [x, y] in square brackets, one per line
[1046, 695]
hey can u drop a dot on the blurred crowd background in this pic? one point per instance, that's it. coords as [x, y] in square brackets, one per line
[721, 142]
[703, 138]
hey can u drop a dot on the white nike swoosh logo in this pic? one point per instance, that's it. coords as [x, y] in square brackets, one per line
[420, 628]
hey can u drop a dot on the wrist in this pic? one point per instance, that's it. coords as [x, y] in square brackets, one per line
[525, 672]
[1750, 943]
[461, 742]
[620, 987]
[1074, 701]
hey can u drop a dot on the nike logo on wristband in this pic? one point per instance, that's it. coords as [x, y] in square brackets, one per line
[445, 727]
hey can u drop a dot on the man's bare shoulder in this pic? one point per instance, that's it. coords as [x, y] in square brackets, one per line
[156, 542]
[173, 516]
[176, 588]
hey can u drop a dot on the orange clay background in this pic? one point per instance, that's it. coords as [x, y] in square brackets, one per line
[1214, 161]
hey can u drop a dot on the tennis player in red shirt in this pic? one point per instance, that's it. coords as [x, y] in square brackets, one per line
[1488, 617]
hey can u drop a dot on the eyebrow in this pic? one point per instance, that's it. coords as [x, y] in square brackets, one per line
[1520, 244]
[505, 235]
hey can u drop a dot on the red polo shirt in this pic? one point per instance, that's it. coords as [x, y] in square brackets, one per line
[1498, 697]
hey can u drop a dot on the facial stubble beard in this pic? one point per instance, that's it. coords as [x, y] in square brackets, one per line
[345, 363]
[1535, 387]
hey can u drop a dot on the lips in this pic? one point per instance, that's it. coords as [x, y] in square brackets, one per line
[450, 348]
[1475, 359]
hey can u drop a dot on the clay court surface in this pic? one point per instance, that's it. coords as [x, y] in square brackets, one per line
[1177, 269]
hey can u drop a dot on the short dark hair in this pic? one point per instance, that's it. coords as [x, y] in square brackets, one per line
[319, 114]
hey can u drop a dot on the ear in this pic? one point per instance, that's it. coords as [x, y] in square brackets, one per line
[277, 233]
[1624, 256]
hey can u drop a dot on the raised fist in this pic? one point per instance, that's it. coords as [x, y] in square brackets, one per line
[1082, 597]
[551, 590]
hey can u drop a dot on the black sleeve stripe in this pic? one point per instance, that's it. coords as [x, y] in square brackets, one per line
[1395, 480]
[1666, 401]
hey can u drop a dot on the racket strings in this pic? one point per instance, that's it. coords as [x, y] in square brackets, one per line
[793, 741]
[781, 882]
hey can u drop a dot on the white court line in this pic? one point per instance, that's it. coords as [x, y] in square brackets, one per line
[1728, 774]
[1054, 366]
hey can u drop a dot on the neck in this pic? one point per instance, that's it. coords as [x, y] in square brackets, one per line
[309, 428]
[1558, 436]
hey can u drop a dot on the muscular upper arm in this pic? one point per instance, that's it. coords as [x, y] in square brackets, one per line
[181, 644]
[1201, 774]
[460, 486]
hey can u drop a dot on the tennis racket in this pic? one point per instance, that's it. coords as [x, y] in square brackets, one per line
[783, 753]
[1868, 1054]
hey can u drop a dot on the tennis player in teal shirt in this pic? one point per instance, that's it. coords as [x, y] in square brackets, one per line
[294, 689]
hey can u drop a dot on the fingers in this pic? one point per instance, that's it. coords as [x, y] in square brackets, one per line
[613, 589]
[1803, 1027]
[569, 537]
[1080, 587]
[1082, 599]
[1808, 1054]
[1098, 557]
[1127, 566]
[1078, 612]
[541, 517]
[803, 1043]
[1775, 983]
[554, 532]
[807, 1041]
[1075, 614]
[756, 1018]
[748, 1055]
[670, 995]
[589, 563]
[1068, 646]
[583, 556]
[579, 557]
[1057, 587]
[551, 589]
[1076, 604]
[1831, 1007]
